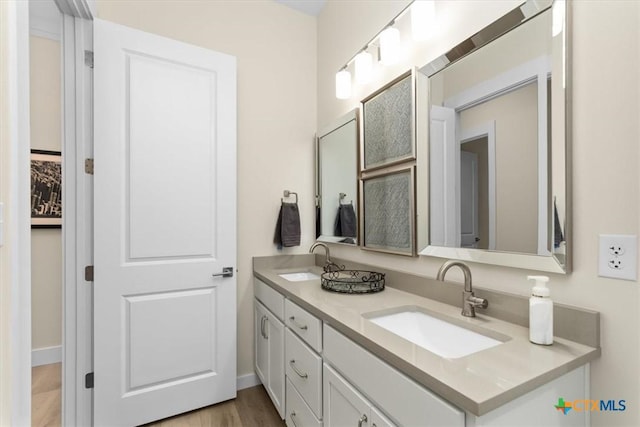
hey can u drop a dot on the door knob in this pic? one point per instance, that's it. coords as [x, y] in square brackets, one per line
[226, 272]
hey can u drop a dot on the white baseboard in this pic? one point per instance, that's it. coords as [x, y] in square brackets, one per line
[46, 355]
[246, 381]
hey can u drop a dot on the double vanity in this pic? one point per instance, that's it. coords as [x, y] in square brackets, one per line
[466, 158]
[399, 358]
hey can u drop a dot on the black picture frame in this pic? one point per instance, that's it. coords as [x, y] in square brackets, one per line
[46, 189]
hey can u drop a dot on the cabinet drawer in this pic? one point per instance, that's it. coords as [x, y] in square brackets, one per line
[389, 389]
[304, 370]
[268, 296]
[298, 413]
[306, 325]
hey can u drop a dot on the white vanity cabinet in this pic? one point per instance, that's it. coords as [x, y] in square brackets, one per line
[316, 376]
[269, 343]
[345, 406]
[405, 401]
[303, 366]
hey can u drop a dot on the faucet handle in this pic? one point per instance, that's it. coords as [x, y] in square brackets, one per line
[477, 302]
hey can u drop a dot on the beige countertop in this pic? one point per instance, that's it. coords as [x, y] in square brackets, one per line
[477, 383]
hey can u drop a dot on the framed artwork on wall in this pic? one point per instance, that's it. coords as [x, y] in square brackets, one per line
[388, 203]
[46, 189]
[387, 125]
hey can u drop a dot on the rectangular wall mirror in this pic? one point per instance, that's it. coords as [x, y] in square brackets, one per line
[493, 160]
[337, 181]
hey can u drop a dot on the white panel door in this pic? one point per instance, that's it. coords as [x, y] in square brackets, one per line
[269, 354]
[443, 212]
[165, 209]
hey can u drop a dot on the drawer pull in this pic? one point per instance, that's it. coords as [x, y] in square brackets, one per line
[363, 419]
[264, 327]
[293, 320]
[293, 419]
[292, 363]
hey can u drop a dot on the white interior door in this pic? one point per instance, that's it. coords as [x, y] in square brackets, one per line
[165, 209]
[443, 179]
[469, 200]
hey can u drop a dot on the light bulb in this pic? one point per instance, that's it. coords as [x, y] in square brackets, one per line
[389, 46]
[364, 67]
[343, 84]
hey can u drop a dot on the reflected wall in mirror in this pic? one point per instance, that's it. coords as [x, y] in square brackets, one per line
[497, 144]
[337, 181]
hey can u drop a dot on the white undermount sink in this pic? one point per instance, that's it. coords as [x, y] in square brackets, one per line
[299, 276]
[434, 334]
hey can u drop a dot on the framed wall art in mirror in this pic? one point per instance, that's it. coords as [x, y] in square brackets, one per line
[337, 181]
[388, 219]
[388, 124]
[496, 163]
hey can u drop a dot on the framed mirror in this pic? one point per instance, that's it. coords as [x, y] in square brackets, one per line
[494, 162]
[337, 181]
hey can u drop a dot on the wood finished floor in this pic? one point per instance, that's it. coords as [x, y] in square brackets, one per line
[252, 407]
[45, 395]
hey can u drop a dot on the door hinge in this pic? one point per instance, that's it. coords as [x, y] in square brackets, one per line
[88, 380]
[88, 58]
[88, 166]
[88, 273]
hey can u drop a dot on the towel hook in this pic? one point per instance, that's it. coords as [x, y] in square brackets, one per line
[342, 196]
[288, 193]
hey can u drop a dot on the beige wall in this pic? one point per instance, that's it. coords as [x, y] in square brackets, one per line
[606, 132]
[276, 51]
[501, 55]
[46, 244]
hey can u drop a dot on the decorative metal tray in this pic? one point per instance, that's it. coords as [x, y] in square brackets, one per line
[352, 281]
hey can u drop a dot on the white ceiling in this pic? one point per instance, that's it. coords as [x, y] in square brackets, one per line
[310, 7]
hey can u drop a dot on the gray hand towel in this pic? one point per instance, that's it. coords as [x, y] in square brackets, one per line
[288, 226]
[346, 224]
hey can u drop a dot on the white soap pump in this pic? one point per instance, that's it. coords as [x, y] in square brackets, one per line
[540, 312]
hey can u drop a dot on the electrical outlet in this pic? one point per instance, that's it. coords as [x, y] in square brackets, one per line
[616, 250]
[618, 256]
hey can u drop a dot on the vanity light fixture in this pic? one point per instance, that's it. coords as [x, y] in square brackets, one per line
[390, 45]
[343, 84]
[423, 22]
[423, 19]
[363, 67]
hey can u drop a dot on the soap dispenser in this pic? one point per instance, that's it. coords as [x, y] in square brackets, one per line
[540, 312]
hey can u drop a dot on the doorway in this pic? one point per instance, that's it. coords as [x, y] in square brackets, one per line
[45, 77]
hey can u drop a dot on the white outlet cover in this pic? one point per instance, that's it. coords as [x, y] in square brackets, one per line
[623, 266]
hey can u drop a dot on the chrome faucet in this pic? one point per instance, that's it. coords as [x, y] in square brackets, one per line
[469, 301]
[328, 264]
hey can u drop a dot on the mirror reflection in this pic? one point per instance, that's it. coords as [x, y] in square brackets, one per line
[337, 178]
[497, 142]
